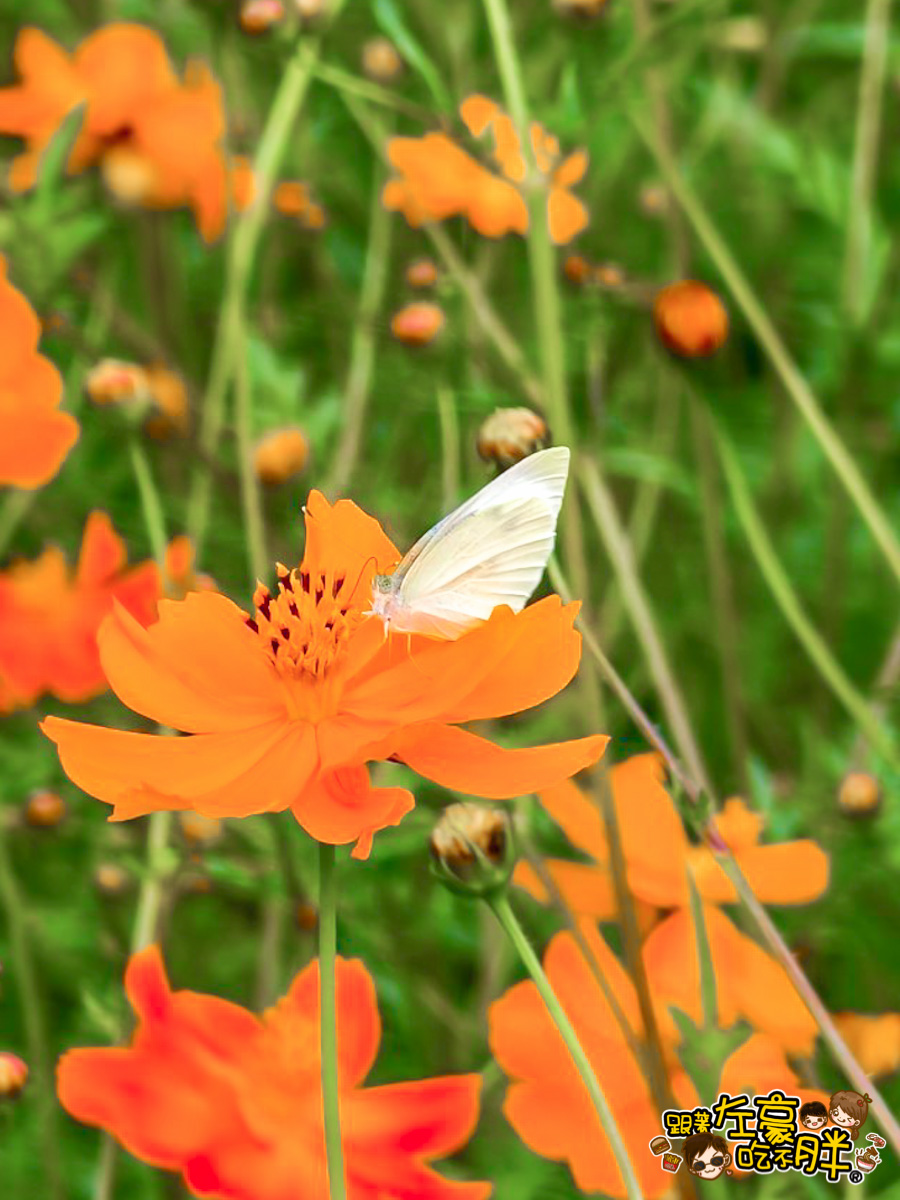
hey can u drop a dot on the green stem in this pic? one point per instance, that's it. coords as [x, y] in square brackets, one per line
[328, 1019]
[13, 510]
[603, 509]
[786, 598]
[151, 505]
[243, 243]
[506, 917]
[449, 422]
[793, 381]
[33, 1017]
[362, 348]
[251, 499]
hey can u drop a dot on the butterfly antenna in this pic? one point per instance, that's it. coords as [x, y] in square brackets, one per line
[371, 558]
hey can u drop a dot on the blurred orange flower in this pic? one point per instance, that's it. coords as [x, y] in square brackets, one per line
[49, 619]
[546, 1102]
[157, 140]
[288, 706]
[234, 1101]
[874, 1041]
[35, 436]
[438, 179]
[658, 859]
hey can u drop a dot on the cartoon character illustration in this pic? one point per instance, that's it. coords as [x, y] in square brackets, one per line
[706, 1155]
[849, 1110]
[813, 1115]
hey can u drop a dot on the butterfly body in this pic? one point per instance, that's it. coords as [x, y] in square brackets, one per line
[492, 550]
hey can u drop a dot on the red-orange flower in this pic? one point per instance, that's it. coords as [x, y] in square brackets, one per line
[438, 179]
[234, 1101]
[49, 618]
[659, 857]
[35, 436]
[157, 139]
[288, 706]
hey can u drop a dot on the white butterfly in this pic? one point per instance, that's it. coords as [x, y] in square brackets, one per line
[491, 550]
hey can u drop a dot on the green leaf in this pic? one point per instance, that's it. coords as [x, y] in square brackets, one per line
[391, 22]
[53, 160]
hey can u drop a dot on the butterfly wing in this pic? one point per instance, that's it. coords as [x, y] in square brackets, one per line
[492, 550]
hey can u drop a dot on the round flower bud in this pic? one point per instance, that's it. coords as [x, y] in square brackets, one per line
[422, 273]
[511, 434]
[13, 1075]
[306, 916]
[859, 794]
[653, 199]
[171, 413]
[381, 60]
[258, 16]
[198, 830]
[111, 879]
[690, 319]
[113, 381]
[44, 809]
[609, 275]
[418, 323]
[472, 849]
[311, 11]
[577, 270]
[280, 454]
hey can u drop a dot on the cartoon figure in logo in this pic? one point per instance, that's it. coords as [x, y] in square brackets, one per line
[706, 1155]
[849, 1110]
[813, 1115]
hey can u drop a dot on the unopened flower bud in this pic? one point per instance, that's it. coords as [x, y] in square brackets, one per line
[653, 199]
[311, 11]
[198, 830]
[859, 794]
[111, 879]
[580, 10]
[114, 381]
[171, 413]
[306, 916]
[690, 319]
[280, 454]
[380, 60]
[577, 270]
[44, 809]
[13, 1075]
[258, 16]
[422, 273]
[511, 434]
[472, 849]
[418, 323]
[609, 275]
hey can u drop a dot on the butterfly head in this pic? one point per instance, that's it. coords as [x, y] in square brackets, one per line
[384, 589]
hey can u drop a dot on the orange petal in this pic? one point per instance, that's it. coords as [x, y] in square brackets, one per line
[358, 1022]
[477, 113]
[341, 806]
[464, 762]
[873, 1040]
[572, 170]
[567, 216]
[784, 873]
[102, 553]
[138, 772]
[124, 68]
[587, 891]
[34, 440]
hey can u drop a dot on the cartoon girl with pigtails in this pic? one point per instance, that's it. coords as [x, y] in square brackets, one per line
[849, 1110]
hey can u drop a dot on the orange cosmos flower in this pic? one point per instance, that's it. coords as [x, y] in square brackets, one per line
[438, 179]
[35, 436]
[157, 139]
[288, 706]
[658, 858]
[234, 1101]
[49, 618]
[547, 1103]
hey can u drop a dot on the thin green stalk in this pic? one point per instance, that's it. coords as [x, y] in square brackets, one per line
[362, 347]
[33, 1017]
[151, 505]
[506, 917]
[793, 381]
[242, 247]
[724, 616]
[145, 930]
[606, 518]
[865, 160]
[450, 449]
[346, 81]
[334, 1150]
[544, 282]
[787, 600]
[251, 499]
